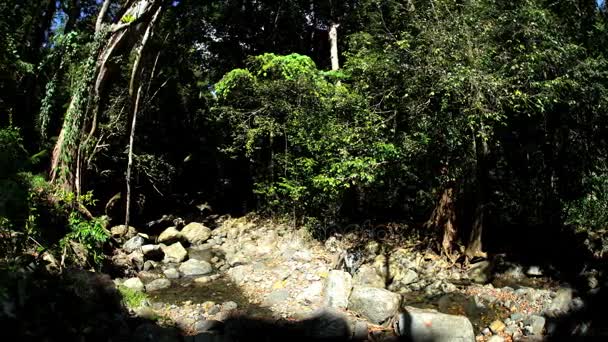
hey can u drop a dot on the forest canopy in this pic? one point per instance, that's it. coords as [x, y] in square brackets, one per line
[464, 119]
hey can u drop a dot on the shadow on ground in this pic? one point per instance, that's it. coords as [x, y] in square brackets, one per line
[74, 306]
[566, 257]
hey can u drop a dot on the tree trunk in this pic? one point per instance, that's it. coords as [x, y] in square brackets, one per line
[474, 246]
[443, 219]
[80, 122]
[136, 75]
[333, 45]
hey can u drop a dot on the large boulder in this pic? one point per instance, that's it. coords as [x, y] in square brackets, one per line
[195, 267]
[158, 284]
[174, 253]
[368, 276]
[170, 235]
[196, 233]
[429, 325]
[134, 284]
[374, 303]
[337, 289]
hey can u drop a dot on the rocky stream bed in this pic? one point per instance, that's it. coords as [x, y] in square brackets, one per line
[196, 278]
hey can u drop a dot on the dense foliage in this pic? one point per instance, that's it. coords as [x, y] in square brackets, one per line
[498, 107]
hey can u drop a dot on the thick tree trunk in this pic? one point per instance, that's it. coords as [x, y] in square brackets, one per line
[333, 45]
[443, 219]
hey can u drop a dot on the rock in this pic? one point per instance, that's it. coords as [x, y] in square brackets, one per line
[496, 338]
[311, 293]
[158, 284]
[366, 275]
[122, 231]
[150, 265]
[276, 297]
[497, 326]
[516, 317]
[152, 252]
[170, 235]
[137, 259]
[429, 325]
[239, 274]
[337, 289]
[474, 307]
[511, 329]
[534, 271]
[207, 325]
[134, 284]
[196, 233]
[229, 306]
[536, 323]
[195, 267]
[408, 277]
[303, 255]
[514, 272]
[561, 302]
[213, 310]
[480, 272]
[373, 303]
[174, 253]
[133, 244]
[171, 273]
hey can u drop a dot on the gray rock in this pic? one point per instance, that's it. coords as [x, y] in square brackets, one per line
[170, 235]
[516, 317]
[536, 324]
[158, 284]
[229, 306]
[511, 329]
[367, 276]
[150, 265]
[174, 253]
[195, 267]
[239, 274]
[207, 325]
[196, 233]
[277, 297]
[337, 289]
[474, 307]
[561, 302]
[137, 259]
[152, 252]
[133, 244]
[373, 303]
[408, 277]
[171, 273]
[480, 272]
[134, 284]
[429, 325]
